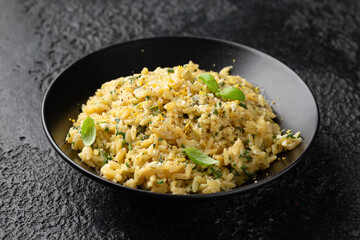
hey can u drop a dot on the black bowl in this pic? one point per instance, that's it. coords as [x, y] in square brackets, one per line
[295, 105]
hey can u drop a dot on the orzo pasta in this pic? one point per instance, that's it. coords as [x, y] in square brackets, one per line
[145, 122]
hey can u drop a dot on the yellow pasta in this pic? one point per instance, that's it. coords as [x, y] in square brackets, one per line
[144, 122]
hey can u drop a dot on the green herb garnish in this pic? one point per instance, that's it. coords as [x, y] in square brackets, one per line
[246, 155]
[170, 70]
[88, 131]
[290, 135]
[154, 107]
[216, 172]
[160, 139]
[134, 77]
[232, 93]
[209, 81]
[198, 157]
[160, 182]
[107, 157]
[215, 112]
[243, 105]
[120, 133]
[147, 97]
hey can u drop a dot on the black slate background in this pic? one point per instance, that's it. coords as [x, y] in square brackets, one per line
[41, 197]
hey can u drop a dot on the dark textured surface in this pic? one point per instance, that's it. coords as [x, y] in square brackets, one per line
[42, 197]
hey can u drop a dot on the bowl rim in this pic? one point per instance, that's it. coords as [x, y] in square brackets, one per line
[237, 190]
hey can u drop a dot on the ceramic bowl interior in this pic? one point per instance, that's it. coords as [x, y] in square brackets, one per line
[295, 105]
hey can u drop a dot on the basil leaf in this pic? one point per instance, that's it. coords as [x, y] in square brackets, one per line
[209, 81]
[198, 157]
[232, 93]
[88, 131]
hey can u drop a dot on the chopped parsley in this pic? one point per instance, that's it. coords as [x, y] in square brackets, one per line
[133, 78]
[107, 157]
[196, 101]
[215, 112]
[170, 70]
[106, 129]
[147, 97]
[251, 176]
[160, 182]
[240, 129]
[160, 139]
[290, 135]
[154, 108]
[243, 105]
[182, 145]
[246, 155]
[216, 172]
[120, 133]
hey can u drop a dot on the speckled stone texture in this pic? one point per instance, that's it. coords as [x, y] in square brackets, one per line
[42, 197]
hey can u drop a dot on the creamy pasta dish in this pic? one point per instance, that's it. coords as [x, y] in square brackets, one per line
[179, 130]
